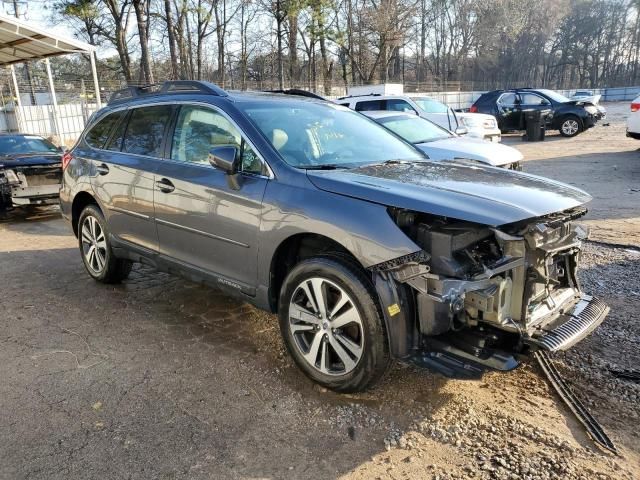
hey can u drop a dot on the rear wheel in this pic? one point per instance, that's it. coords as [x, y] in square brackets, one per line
[95, 248]
[332, 326]
[570, 126]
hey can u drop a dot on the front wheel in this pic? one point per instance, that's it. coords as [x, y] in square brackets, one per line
[332, 326]
[95, 248]
[570, 126]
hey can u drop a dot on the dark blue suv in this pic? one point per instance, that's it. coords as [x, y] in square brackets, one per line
[366, 249]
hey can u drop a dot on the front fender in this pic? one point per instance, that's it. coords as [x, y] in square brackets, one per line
[363, 228]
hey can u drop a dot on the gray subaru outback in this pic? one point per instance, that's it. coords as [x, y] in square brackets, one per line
[367, 250]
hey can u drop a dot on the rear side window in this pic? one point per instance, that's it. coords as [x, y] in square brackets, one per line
[369, 105]
[146, 130]
[115, 143]
[101, 130]
[532, 99]
[399, 105]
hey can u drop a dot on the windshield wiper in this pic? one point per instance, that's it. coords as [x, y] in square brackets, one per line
[325, 166]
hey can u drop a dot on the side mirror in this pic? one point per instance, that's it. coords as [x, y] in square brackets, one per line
[461, 131]
[225, 158]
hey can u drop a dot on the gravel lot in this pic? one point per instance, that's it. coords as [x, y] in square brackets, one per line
[162, 378]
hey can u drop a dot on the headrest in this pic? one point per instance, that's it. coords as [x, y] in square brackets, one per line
[279, 138]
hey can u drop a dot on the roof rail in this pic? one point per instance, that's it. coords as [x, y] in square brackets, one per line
[168, 87]
[368, 95]
[297, 91]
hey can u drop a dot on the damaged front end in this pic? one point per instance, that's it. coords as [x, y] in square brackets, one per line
[29, 185]
[483, 296]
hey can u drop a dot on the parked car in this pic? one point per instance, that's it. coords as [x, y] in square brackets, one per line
[582, 94]
[440, 144]
[569, 117]
[30, 172]
[633, 121]
[366, 249]
[469, 124]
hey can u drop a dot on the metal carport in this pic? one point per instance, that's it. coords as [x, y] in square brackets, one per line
[21, 42]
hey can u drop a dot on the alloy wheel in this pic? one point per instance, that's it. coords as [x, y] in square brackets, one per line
[94, 245]
[326, 326]
[570, 127]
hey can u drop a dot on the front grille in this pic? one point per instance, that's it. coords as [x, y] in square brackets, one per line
[588, 314]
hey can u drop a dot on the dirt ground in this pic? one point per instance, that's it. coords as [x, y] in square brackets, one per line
[159, 378]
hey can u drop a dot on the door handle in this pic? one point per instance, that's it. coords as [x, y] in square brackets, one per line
[165, 185]
[102, 169]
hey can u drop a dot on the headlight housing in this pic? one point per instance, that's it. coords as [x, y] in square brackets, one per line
[11, 176]
[471, 122]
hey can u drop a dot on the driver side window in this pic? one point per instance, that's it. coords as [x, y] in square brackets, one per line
[508, 100]
[532, 99]
[199, 129]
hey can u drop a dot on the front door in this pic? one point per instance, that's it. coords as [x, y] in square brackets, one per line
[203, 222]
[124, 173]
[509, 112]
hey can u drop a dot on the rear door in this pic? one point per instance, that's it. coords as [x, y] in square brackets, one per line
[123, 179]
[203, 222]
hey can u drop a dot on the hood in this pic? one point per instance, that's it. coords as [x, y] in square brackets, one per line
[493, 154]
[593, 99]
[31, 160]
[480, 194]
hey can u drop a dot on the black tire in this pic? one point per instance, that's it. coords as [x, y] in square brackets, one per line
[374, 358]
[114, 269]
[567, 121]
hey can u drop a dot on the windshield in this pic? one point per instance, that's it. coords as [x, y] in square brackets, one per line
[415, 129]
[19, 144]
[429, 105]
[555, 96]
[310, 134]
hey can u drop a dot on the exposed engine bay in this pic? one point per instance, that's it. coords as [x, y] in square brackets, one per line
[514, 288]
[30, 185]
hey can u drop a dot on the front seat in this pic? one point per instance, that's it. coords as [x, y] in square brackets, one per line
[280, 141]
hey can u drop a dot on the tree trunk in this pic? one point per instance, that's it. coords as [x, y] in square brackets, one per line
[141, 9]
[293, 47]
[279, 21]
[172, 40]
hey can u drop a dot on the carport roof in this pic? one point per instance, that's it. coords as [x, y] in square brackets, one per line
[21, 42]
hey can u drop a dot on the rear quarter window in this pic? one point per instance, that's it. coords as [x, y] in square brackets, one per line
[99, 133]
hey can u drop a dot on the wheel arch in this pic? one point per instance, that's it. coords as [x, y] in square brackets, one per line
[80, 201]
[295, 248]
[571, 114]
[396, 302]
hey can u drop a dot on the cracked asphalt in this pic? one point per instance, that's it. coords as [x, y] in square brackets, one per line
[159, 378]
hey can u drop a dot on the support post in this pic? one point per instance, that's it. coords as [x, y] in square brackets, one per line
[94, 71]
[54, 100]
[18, 102]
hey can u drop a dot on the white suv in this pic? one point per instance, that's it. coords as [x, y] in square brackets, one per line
[633, 122]
[476, 125]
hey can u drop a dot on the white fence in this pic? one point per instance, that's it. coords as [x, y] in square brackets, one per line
[66, 123]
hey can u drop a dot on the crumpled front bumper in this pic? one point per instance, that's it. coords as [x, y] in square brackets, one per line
[569, 328]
